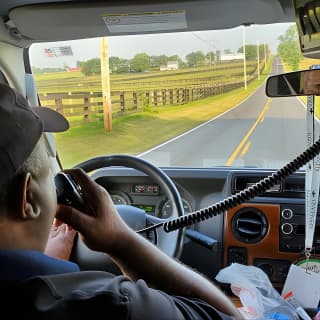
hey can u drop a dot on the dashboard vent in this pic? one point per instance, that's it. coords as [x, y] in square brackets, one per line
[249, 225]
[241, 183]
[291, 187]
[294, 185]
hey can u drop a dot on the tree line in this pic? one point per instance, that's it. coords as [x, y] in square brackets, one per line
[289, 48]
[143, 62]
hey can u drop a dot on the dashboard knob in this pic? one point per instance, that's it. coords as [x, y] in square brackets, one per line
[287, 214]
[287, 228]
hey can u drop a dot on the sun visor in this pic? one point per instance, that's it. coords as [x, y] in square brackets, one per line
[77, 20]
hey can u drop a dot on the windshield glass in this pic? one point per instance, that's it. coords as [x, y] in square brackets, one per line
[191, 99]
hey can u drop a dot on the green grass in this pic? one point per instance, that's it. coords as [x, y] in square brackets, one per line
[76, 81]
[135, 133]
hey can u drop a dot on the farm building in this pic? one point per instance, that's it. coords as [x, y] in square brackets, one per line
[171, 65]
[232, 56]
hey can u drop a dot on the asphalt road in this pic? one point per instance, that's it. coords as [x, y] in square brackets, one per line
[260, 132]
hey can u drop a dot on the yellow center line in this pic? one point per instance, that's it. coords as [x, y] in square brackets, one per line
[245, 149]
[235, 153]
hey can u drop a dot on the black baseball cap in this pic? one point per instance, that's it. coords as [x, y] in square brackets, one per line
[21, 127]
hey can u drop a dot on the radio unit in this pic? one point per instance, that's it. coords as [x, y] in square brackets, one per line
[292, 229]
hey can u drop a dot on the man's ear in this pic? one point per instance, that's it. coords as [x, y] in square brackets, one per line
[27, 204]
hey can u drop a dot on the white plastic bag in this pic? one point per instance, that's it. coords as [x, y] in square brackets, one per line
[254, 290]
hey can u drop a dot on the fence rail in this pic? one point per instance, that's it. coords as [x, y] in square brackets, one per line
[89, 105]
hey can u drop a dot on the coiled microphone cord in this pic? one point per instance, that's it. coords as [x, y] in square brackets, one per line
[240, 197]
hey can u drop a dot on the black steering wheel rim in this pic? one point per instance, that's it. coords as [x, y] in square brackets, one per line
[154, 172]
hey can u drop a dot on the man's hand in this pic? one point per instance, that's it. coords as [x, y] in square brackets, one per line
[60, 240]
[102, 229]
[99, 225]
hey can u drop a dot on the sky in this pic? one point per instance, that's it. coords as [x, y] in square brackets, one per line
[156, 44]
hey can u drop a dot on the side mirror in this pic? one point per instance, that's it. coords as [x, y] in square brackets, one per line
[298, 83]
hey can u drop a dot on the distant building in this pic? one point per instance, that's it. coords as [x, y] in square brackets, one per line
[171, 65]
[232, 56]
[72, 68]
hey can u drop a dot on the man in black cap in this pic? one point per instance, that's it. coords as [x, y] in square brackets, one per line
[46, 287]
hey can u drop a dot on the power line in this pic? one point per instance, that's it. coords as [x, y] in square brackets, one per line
[208, 42]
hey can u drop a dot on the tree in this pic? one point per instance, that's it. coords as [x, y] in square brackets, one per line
[195, 59]
[157, 61]
[289, 48]
[251, 51]
[210, 56]
[140, 62]
[175, 57]
[227, 51]
[218, 56]
[263, 49]
[36, 70]
[124, 65]
[91, 67]
[118, 65]
[114, 63]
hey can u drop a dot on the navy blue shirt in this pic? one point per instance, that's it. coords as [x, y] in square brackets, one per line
[18, 265]
[46, 288]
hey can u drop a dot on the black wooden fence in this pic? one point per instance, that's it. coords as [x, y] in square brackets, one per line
[87, 105]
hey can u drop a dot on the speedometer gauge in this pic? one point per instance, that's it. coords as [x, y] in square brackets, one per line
[166, 209]
[120, 198]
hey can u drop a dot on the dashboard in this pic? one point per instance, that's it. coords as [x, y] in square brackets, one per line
[148, 197]
[266, 231]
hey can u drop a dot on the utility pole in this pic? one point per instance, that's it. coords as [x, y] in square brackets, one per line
[258, 58]
[105, 84]
[244, 57]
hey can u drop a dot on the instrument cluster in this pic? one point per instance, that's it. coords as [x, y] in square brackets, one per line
[149, 198]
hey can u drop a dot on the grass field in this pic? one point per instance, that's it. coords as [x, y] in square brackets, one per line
[133, 134]
[75, 81]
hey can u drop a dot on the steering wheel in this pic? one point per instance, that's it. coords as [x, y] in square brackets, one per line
[170, 243]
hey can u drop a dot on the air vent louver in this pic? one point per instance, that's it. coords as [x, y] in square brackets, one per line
[241, 183]
[294, 185]
[249, 225]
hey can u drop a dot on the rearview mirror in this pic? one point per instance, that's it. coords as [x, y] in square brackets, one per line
[298, 83]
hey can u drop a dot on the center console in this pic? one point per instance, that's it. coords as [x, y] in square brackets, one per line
[253, 235]
[292, 229]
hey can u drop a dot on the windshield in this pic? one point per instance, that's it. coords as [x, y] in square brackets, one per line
[191, 99]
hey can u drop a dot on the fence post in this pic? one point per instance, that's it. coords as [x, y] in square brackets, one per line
[164, 97]
[186, 98]
[86, 109]
[155, 98]
[148, 98]
[122, 102]
[135, 103]
[59, 105]
[171, 96]
[183, 93]
[177, 96]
